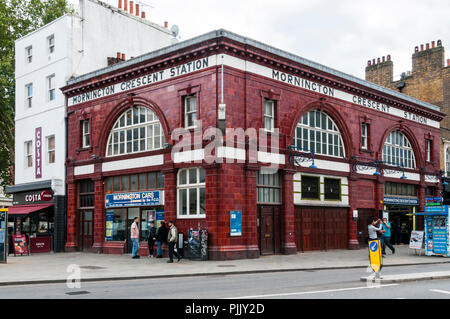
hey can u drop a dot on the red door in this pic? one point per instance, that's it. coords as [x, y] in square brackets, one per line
[86, 229]
[269, 230]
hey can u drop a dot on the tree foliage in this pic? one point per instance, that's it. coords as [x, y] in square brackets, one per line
[17, 18]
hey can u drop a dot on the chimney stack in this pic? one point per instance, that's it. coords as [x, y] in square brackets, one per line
[433, 44]
[421, 47]
[428, 46]
[118, 55]
[123, 56]
[142, 14]
[137, 10]
[166, 24]
[125, 5]
[131, 7]
[120, 4]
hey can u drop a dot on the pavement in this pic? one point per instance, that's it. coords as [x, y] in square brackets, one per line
[54, 267]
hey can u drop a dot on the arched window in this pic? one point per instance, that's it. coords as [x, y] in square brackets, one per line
[137, 130]
[317, 131]
[397, 151]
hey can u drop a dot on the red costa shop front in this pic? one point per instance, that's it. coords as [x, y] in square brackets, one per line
[33, 216]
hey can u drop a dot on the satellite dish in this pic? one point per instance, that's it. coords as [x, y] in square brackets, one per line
[175, 30]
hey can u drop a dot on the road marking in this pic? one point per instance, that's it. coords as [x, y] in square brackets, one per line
[441, 291]
[311, 292]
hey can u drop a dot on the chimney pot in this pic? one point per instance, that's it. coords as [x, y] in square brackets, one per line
[125, 5]
[142, 14]
[166, 24]
[120, 4]
[137, 10]
[439, 43]
[416, 49]
[433, 44]
[384, 58]
[378, 60]
[369, 63]
[118, 55]
[131, 7]
[373, 61]
[421, 47]
[123, 56]
[389, 57]
[428, 46]
[448, 62]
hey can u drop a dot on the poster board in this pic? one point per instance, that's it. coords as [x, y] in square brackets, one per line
[3, 235]
[109, 225]
[235, 223]
[20, 245]
[416, 239]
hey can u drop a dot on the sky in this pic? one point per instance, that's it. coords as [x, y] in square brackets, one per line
[341, 34]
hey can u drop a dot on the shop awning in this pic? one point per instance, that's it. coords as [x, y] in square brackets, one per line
[26, 209]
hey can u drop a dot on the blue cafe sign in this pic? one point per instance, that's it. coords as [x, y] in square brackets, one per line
[150, 198]
[400, 201]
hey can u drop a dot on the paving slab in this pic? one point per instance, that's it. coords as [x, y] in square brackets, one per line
[53, 267]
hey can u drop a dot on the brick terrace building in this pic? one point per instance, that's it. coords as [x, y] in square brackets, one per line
[134, 107]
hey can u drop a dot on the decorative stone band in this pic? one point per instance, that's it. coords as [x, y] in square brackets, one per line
[251, 67]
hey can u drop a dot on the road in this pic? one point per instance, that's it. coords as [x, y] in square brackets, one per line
[321, 284]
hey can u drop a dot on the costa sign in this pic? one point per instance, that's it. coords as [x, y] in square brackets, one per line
[45, 196]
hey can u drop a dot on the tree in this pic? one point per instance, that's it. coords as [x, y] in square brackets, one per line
[17, 18]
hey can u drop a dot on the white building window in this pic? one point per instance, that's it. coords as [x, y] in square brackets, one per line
[29, 154]
[191, 193]
[364, 135]
[86, 133]
[29, 54]
[268, 187]
[137, 130]
[428, 150]
[51, 149]
[51, 44]
[317, 131]
[397, 151]
[190, 111]
[269, 115]
[51, 87]
[29, 95]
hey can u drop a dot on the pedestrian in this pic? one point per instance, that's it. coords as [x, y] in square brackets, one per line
[161, 237]
[151, 239]
[374, 230]
[172, 239]
[135, 239]
[387, 235]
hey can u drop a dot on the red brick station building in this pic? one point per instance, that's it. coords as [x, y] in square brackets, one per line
[348, 150]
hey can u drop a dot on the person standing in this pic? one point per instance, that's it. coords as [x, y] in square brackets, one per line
[373, 229]
[387, 236]
[172, 239]
[161, 237]
[135, 238]
[151, 239]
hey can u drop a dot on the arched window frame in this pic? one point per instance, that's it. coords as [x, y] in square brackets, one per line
[137, 130]
[397, 150]
[314, 138]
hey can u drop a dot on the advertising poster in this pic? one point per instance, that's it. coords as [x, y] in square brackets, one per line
[159, 218]
[440, 235]
[235, 223]
[109, 225]
[3, 236]
[20, 245]
[416, 239]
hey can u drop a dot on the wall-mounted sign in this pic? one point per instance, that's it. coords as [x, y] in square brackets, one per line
[33, 197]
[436, 209]
[46, 195]
[150, 198]
[235, 223]
[391, 200]
[435, 201]
[109, 225]
[159, 217]
[38, 153]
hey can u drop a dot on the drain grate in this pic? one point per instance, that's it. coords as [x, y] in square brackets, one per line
[81, 292]
[92, 267]
[226, 265]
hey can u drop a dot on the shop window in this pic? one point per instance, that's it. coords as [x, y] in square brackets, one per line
[399, 189]
[87, 194]
[268, 188]
[119, 224]
[332, 188]
[28, 154]
[269, 115]
[310, 187]
[190, 111]
[397, 151]
[86, 142]
[135, 182]
[137, 130]
[191, 193]
[317, 132]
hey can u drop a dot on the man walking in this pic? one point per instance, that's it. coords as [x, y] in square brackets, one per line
[172, 238]
[151, 238]
[373, 232]
[135, 238]
[387, 236]
[161, 237]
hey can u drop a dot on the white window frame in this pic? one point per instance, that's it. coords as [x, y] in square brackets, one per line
[29, 98]
[187, 100]
[28, 154]
[118, 137]
[269, 117]
[49, 150]
[50, 45]
[364, 136]
[331, 129]
[85, 128]
[198, 186]
[428, 150]
[395, 147]
[51, 92]
[29, 54]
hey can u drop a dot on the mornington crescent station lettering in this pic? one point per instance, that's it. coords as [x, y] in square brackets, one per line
[304, 84]
[141, 81]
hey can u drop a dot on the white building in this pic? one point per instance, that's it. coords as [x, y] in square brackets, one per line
[71, 45]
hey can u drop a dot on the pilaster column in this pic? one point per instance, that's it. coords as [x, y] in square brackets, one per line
[71, 241]
[250, 227]
[288, 246]
[99, 215]
[170, 194]
[353, 242]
